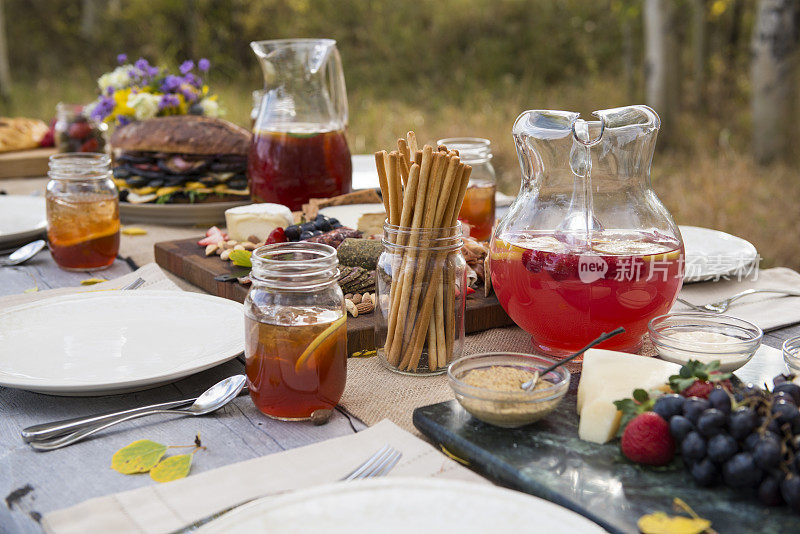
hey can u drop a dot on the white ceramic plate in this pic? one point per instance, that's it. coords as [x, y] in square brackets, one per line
[22, 218]
[365, 173]
[401, 506]
[711, 254]
[349, 214]
[107, 342]
[206, 214]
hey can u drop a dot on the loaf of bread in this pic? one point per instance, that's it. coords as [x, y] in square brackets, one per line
[20, 133]
[182, 134]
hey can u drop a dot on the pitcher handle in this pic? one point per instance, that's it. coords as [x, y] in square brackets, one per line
[336, 87]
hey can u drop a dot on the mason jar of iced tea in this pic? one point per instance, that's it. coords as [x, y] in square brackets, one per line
[478, 209]
[295, 332]
[82, 211]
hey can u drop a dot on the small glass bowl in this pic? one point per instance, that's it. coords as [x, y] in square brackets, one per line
[672, 336]
[791, 354]
[508, 409]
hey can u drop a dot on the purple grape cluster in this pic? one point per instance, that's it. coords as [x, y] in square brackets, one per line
[748, 440]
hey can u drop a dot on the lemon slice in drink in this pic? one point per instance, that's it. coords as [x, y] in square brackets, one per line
[326, 334]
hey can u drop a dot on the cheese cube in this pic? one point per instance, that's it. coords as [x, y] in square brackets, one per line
[608, 376]
[256, 219]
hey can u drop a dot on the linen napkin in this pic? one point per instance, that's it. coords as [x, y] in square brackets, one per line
[175, 505]
[154, 278]
[768, 311]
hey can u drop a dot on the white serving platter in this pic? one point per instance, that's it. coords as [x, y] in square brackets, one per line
[108, 342]
[401, 506]
[711, 254]
[22, 218]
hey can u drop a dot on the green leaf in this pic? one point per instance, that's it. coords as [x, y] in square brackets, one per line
[172, 468]
[138, 457]
[241, 258]
[640, 395]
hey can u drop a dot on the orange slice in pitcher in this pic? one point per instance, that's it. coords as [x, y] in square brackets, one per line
[319, 342]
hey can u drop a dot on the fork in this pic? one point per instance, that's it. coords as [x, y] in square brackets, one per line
[722, 305]
[377, 465]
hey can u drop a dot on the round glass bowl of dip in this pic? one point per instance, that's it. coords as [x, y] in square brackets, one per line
[488, 386]
[791, 354]
[680, 337]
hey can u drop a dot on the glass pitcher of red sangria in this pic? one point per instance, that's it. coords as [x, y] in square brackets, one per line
[299, 150]
[587, 246]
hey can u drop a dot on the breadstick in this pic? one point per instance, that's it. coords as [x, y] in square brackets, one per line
[381, 165]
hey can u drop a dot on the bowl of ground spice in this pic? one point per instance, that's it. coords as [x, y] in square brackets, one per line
[489, 386]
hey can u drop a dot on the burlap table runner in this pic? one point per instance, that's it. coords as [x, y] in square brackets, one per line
[168, 507]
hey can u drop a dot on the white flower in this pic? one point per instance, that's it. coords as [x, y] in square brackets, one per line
[117, 78]
[210, 108]
[144, 105]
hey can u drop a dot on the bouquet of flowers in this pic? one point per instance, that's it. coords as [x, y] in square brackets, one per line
[141, 91]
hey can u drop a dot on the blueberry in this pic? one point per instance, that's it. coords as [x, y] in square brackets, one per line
[320, 217]
[790, 491]
[704, 472]
[323, 225]
[334, 221]
[791, 388]
[742, 422]
[741, 471]
[785, 412]
[292, 232]
[155, 183]
[679, 427]
[668, 406]
[693, 447]
[307, 227]
[711, 422]
[769, 491]
[305, 235]
[693, 407]
[315, 233]
[721, 448]
[767, 453]
[720, 400]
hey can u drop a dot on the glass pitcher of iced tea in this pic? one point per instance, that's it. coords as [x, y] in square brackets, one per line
[299, 150]
[586, 246]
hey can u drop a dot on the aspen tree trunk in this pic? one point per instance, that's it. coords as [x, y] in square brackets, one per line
[699, 50]
[662, 82]
[5, 71]
[773, 74]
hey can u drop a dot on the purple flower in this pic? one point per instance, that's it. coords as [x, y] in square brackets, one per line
[171, 83]
[186, 66]
[143, 65]
[203, 64]
[192, 79]
[103, 108]
[188, 93]
[153, 71]
[110, 91]
[122, 58]
[168, 101]
[122, 120]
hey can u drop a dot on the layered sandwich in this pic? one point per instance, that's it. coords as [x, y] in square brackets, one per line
[181, 159]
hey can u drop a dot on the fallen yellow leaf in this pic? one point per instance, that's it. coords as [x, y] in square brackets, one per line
[134, 230]
[92, 281]
[172, 468]
[661, 523]
[138, 457]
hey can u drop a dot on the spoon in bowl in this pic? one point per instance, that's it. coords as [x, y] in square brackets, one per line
[23, 253]
[530, 384]
[211, 400]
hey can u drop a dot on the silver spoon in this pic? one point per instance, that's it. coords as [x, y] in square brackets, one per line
[23, 253]
[212, 399]
[530, 384]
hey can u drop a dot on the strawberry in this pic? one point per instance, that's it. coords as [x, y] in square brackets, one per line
[647, 440]
[276, 236]
[79, 130]
[696, 379]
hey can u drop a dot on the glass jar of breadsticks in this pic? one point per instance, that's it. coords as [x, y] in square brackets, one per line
[478, 209]
[421, 275]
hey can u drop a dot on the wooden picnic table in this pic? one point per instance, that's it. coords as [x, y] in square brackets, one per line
[35, 483]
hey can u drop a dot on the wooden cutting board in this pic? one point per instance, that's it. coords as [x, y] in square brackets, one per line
[24, 163]
[186, 259]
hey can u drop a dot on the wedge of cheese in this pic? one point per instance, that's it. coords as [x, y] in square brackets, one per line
[256, 220]
[607, 376]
